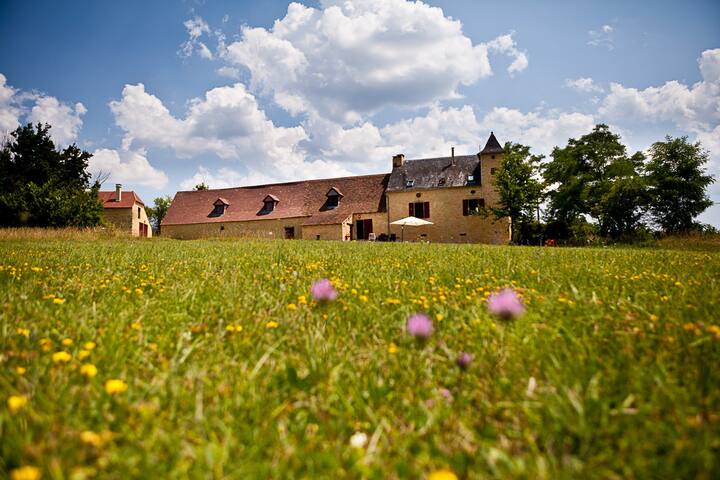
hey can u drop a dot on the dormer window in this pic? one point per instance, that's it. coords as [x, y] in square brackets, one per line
[219, 207]
[333, 198]
[471, 179]
[269, 203]
[409, 183]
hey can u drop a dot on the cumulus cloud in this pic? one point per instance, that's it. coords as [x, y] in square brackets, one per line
[348, 59]
[126, 166]
[195, 27]
[228, 72]
[583, 84]
[602, 37]
[9, 110]
[505, 44]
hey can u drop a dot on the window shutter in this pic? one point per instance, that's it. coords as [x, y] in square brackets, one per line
[412, 209]
[426, 207]
[466, 207]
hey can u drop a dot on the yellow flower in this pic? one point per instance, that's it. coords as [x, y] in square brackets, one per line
[234, 328]
[439, 317]
[363, 298]
[25, 473]
[89, 345]
[302, 300]
[58, 301]
[654, 318]
[95, 439]
[61, 357]
[25, 332]
[392, 348]
[271, 324]
[138, 291]
[442, 475]
[292, 306]
[83, 354]
[17, 402]
[67, 342]
[392, 301]
[115, 386]
[46, 344]
[20, 370]
[136, 326]
[88, 370]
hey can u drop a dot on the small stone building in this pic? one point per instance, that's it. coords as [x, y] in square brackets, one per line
[126, 211]
[447, 191]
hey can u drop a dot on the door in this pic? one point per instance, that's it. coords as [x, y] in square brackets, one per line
[363, 228]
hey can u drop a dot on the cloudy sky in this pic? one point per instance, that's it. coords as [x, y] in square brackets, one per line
[167, 94]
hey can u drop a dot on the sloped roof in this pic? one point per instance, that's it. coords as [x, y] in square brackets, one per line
[127, 199]
[221, 201]
[435, 173]
[492, 145]
[362, 194]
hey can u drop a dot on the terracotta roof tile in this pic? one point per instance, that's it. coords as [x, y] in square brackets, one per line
[127, 199]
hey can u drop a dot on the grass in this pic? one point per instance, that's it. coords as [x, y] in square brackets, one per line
[611, 373]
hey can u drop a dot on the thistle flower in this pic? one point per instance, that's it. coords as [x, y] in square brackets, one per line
[506, 304]
[463, 360]
[323, 291]
[420, 326]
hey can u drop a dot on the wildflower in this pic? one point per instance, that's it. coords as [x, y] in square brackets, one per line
[392, 301]
[363, 298]
[58, 301]
[233, 328]
[392, 348]
[323, 291]
[17, 402]
[83, 354]
[358, 440]
[302, 300]
[442, 475]
[89, 345]
[67, 342]
[89, 370]
[20, 370]
[25, 332]
[654, 318]
[115, 386]
[292, 306]
[420, 326]
[463, 360]
[271, 324]
[138, 291]
[46, 344]
[90, 438]
[61, 357]
[439, 317]
[136, 325]
[506, 304]
[25, 473]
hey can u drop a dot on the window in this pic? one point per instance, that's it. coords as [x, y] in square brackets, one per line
[289, 233]
[493, 170]
[218, 210]
[269, 203]
[409, 183]
[473, 205]
[317, 237]
[471, 180]
[138, 212]
[333, 198]
[419, 209]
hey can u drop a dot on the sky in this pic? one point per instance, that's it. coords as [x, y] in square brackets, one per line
[169, 94]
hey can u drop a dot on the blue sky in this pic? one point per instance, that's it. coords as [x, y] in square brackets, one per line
[170, 93]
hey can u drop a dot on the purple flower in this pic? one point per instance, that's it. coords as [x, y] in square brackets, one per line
[323, 291]
[464, 360]
[419, 326]
[506, 304]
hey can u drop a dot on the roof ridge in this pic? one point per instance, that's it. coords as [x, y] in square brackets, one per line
[294, 182]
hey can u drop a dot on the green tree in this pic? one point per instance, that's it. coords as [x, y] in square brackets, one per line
[201, 186]
[43, 186]
[678, 183]
[593, 176]
[519, 187]
[157, 212]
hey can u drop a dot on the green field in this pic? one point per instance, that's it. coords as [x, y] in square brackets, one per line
[233, 372]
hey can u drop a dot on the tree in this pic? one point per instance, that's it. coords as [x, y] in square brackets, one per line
[678, 183]
[593, 176]
[201, 186]
[157, 212]
[44, 186]
[519, 187]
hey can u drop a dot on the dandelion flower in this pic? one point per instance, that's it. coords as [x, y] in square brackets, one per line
[89, 370]
[61, 357]
[67, 342]
[292, 306]
[25, 473]
[83, 354]
[392, 348]
[323, 291]
[58, 301]
[20, 370]
[17, 402]
[25, 332]
[506, 304]
[46, 344]
[358, 440]
[442, 475]
[419, 326]
[464, 360]
[115, 386]
[89, 345]
[271, 324]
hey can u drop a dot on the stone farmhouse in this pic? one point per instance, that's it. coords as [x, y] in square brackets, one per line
[445, 191]
[126, 211]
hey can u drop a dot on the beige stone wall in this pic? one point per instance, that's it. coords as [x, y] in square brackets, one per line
[273, 228]
[326, 232]
[379, 221]
[136, 221]
[126, 219]
[446, 213]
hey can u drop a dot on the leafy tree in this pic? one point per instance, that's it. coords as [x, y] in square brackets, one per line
[157, 212]
[593, 176]
[519, 187]
[678, 183]
[202, 186]
[44, 186]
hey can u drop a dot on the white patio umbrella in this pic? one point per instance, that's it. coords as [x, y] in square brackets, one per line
[410, 222]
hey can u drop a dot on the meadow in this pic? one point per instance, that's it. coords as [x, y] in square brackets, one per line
[210, 359]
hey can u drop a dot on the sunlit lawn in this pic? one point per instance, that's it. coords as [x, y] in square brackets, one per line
[221, 365]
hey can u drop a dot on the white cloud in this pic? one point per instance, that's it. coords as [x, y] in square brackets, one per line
[224, 178]
[195, 27]
[505, 44]
[603, 37]
[127, 166]
[352, 58]
[9, 110]
[228, 72]
[583, 84]
[65, 120]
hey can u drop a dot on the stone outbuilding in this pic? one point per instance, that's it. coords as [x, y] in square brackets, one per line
[126, 211]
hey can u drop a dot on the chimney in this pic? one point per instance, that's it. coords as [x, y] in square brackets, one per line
[398, 160]
[118, 192]
[452, 155]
